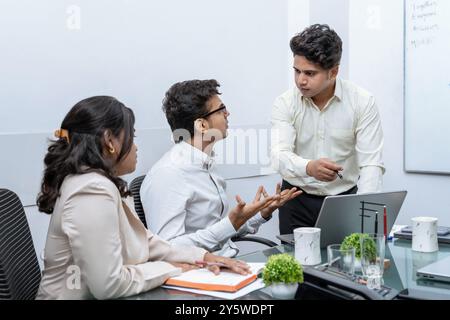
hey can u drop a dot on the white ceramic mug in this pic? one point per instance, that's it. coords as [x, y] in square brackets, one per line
[424, 234]
[307, 246]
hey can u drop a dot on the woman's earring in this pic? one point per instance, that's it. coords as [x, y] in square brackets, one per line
[112, 150]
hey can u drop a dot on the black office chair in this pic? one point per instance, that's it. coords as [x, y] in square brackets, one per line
[135, 187]
[19, 268]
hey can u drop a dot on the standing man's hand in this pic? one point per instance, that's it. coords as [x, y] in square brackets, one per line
[323, 169]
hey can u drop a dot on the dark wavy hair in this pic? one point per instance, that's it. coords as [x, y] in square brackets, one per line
[186, 101]
[86, 124]
[319, 44]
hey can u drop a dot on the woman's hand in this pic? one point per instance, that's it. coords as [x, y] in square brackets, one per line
[184, 266]
[234, 265]
[284, 196]
[243, 211]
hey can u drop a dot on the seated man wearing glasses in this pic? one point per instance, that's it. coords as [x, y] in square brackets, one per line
[183, 197]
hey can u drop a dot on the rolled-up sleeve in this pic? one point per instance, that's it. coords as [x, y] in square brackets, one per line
[283, 135]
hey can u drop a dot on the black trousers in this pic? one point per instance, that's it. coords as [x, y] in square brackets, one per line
[301, 211]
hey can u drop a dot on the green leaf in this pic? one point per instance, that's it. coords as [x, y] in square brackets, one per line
[282, 268]
[354, 241]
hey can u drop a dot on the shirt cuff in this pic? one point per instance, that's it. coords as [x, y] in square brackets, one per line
[300, 166]
[253, 224]
[223, 229]
[258, 218]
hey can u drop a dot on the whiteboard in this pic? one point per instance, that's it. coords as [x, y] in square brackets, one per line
[427, 86]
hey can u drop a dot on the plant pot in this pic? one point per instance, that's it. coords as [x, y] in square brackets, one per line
[284, 290]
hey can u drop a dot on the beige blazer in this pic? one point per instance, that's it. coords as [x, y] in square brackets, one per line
[98, 248]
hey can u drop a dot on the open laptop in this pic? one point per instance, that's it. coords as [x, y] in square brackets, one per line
[439, 270]
[341, 215]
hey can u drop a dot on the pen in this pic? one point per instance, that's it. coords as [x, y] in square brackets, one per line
[338, 174]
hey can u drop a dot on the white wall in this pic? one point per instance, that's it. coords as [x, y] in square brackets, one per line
[58, 53]
[376, 63]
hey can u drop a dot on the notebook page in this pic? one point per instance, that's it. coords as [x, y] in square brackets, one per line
[203, 275]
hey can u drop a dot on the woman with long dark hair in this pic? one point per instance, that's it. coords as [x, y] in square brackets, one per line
[96, 245]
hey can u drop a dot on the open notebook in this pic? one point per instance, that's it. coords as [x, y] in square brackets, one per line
[206, 280]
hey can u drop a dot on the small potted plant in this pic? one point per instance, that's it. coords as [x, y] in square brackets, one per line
[283, 273]
[354, 241]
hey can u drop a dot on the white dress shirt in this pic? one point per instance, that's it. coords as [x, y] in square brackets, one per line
[184, 201]
[98, 248]
[347, 131]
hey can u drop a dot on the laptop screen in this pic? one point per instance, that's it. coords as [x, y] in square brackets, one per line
[341, 216]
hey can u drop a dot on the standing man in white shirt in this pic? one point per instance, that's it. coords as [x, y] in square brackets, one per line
[183, 197]
[327, 136]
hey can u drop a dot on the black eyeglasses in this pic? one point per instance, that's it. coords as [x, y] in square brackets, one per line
[222, 107]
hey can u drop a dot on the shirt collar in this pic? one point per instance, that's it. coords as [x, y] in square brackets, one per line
[337, 90]
[196, 156]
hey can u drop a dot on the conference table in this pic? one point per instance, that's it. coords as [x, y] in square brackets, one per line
[401, 274]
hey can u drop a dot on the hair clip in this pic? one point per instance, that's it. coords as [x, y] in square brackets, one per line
[62, 134]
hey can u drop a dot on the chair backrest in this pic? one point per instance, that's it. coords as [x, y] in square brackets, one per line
[19, 268]
[135, 187]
